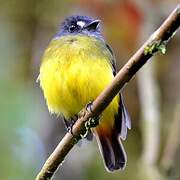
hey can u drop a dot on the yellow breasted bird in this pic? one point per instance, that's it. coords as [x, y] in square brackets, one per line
[76, 67]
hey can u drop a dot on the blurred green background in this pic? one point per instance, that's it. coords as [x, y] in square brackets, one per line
[28, 133]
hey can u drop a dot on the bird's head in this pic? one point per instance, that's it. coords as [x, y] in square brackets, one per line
[74, 25]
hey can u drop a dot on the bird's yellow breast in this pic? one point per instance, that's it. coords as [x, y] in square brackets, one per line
[74, 70]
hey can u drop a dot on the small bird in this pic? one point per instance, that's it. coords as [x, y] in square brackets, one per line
[76, 66]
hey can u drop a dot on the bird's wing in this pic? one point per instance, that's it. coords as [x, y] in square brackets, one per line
[123, 114]
[113, 60]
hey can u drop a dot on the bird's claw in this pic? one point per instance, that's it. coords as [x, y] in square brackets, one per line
[89, 106]
[69, 126]
[91, 123]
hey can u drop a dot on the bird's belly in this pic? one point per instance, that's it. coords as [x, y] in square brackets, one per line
[69, 87]
[74, 72]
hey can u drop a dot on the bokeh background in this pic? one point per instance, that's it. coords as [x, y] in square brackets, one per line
[28, 133]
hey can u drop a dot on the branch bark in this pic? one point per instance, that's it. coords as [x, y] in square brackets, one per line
[156, 42]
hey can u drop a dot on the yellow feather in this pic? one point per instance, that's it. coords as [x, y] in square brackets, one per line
[74, 71]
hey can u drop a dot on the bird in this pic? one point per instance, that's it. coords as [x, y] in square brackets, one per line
[76, 67]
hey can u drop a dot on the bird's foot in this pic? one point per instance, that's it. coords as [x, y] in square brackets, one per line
[69, 128]
[70, 123]
[89, 106]
[92, 122]
[87, 109]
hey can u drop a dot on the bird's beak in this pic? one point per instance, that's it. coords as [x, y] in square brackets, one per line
[93, 25]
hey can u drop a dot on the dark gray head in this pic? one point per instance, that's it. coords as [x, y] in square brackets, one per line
[74, 25]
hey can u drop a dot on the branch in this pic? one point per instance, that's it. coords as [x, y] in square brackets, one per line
[156, 43]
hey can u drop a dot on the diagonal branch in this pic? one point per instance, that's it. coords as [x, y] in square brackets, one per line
[156, 43]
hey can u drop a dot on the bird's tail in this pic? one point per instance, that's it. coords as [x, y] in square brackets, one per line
[112, 150]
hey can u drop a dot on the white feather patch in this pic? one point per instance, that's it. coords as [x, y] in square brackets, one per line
[81, 23]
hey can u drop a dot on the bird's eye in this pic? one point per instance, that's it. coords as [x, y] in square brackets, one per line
[72, 28]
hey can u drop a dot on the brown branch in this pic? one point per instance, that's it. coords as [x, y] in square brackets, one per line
[156, 42]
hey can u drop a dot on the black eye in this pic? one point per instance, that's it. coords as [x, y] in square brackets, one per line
[72, 28]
